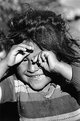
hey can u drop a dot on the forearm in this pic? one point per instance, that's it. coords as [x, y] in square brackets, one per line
[75, 81]
[72, 74]
[3, 68]
[64, 69]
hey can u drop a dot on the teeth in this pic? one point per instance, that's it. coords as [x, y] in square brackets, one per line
[37, 75]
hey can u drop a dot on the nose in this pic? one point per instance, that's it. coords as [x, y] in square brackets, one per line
[32, 67]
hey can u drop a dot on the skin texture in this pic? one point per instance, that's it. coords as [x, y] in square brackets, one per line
[31, 72]
[2, 55]
[14, 57]
[36, 68]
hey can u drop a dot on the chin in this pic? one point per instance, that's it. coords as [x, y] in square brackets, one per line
[38, 86]
[37, 83]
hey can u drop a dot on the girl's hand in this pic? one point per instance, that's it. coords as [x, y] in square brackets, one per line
[17, 54]
[47, 60]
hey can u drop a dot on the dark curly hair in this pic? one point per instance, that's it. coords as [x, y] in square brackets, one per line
[5, 43]
[47, 30]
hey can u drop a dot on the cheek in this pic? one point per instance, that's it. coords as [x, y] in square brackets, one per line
[22, 68]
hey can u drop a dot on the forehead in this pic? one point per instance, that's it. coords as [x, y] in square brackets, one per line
[36, 51]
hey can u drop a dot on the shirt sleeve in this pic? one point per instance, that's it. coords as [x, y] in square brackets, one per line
[75, 81]
[6, 91]
[76, 77]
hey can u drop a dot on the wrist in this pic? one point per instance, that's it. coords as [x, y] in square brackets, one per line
[57, 67]
[6, 63]
[64, 69]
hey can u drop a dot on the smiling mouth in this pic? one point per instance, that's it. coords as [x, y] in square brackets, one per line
[34, 76]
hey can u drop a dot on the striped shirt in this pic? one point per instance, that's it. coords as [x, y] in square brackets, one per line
[52, 105]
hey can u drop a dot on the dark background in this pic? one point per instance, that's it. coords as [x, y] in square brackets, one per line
[9, 112]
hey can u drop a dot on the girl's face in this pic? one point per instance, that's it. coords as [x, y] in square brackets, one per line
[31, 73]
[2, 54]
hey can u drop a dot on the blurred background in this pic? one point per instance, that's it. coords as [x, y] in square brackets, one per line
[69, 9]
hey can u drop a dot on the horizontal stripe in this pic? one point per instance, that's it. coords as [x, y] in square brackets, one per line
[38, 96]
[25, 92]
[49, 107]
[35, 106]
[73, 116]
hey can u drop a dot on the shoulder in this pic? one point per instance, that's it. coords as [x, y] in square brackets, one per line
[7, 90]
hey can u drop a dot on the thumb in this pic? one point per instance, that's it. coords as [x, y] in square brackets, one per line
[26, 54]
[20, 57]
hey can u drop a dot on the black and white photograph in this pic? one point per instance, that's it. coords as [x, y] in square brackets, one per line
[39, 60]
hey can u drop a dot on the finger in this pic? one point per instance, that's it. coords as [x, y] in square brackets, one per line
[18, 50]
[34, 59]
[39, 59]
[25, 54]
[43, 56]
[28, 47]
[41, 63]
[20, 57]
